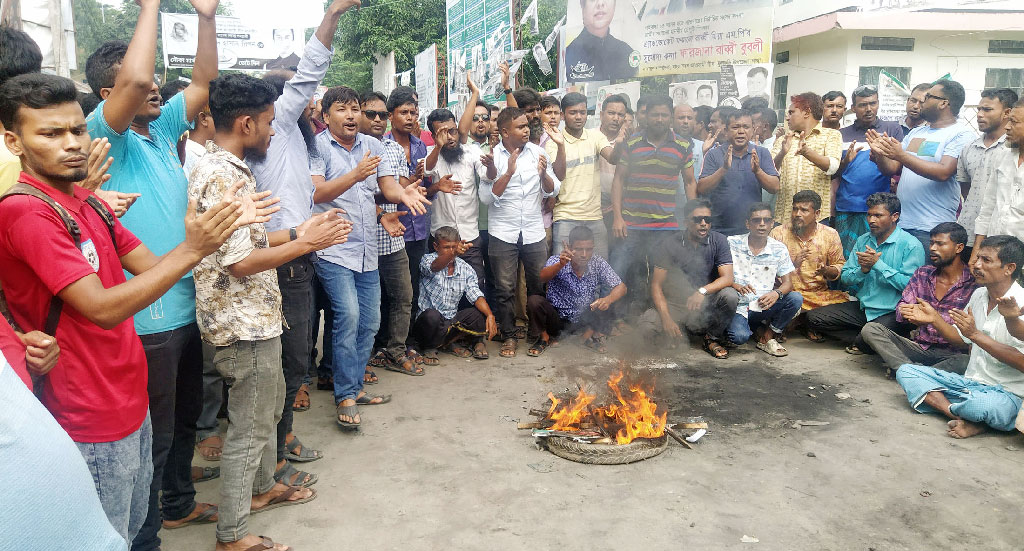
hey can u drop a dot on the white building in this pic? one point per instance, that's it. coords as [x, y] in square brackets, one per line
[823, 45]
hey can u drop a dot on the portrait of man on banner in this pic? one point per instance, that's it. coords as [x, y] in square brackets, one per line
[286, 48]
[595, 54]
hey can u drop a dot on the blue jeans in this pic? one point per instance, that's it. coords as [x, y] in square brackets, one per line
[777, 317]
[122, 471]
[970, 400]
[355, 303]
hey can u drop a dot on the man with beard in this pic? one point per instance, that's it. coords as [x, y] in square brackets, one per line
[143, 137]
[880, 268]
[239, 304]
[528, 100]
[934, 290]
[475, 124]
[458, 171]
[1000, 211]
[971, 172]
[914, 103]
[284, 171]
[988, 394]
[764, 310]
[926, 160]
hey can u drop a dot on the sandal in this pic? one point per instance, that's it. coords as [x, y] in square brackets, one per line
[283, 501]
[538, 348]
[596, 344]
[266, 545]
[813, 336]
[380, 359]
[202, 474]
[293, 476]
[508, 348]
[459, 351]
[715, 349]
[367, 400]
[370, 377]
[407, 365]
[304, 456]
[480, 351]
[325, 383]
[430, 357]
[301, 399]
[853, 350]
[205, 516]
[209, 451]
[772, 347]
[349, 411]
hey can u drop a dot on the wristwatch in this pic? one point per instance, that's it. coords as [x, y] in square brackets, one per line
[292, 234]
[507, 91]
[703, 291]
[379, 216]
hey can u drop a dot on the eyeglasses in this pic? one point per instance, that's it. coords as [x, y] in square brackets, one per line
[758, 220]
[933, 96]
[699, 219]
[477, 118]
[383, 115]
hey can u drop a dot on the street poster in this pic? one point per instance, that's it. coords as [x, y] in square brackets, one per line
[479, 39]
[239, 45]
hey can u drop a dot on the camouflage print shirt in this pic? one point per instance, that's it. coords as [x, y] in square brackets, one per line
[231, 309]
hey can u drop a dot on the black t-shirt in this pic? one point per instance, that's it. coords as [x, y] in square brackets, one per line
[591, 58]
[690, 265]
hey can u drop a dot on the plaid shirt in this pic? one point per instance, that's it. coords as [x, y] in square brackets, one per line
[922, 286]
[395, 156]
[441, 291]
[570, 293]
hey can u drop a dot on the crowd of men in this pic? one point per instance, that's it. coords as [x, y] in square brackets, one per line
[161, 245]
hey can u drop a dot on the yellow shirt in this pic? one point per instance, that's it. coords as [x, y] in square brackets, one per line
[580, 195]
[796, 173]
[825, 249]
[10, 168]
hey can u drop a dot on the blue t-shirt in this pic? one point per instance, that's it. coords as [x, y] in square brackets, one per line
[738, 189]
[150, 166]
[862, 177]
[926, 202]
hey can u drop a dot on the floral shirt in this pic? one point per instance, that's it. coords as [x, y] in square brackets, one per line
[230, 309]
[757, 270]
[796, 173]
[570, 293]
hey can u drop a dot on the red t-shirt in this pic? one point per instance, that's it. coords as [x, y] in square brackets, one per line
[14, 350]
[97, 391]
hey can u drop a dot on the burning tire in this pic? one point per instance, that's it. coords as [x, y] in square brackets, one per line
[606, 454]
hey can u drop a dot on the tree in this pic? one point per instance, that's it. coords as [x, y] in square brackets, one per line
[549, 12]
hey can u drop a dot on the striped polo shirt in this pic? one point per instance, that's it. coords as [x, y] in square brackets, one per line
[649, 195]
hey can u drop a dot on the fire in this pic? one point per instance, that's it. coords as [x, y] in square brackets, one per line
[629, 417]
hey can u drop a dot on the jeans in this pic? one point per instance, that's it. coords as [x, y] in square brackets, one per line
[544, 317]
[712, 319]
[175, 360]
[213, 396]
[295, 280]
[845, 321]
[970, 400]
[431, 329]
[395, 303]
[122, 471]
[505, 259]
[252, 370]
[321, 302]
[629, 261]
[355, 302]
[778, 317]
[561, 228]
[416, 250]
[896, 350]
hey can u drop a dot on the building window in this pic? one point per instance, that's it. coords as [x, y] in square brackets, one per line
[782, 57]
[781, 94]
[1005, 78]
[890, 43]
[869, 74]
[1006, 46]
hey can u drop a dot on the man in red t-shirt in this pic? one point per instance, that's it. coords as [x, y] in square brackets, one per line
[97, 390]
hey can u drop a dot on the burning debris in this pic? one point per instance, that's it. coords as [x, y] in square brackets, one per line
[629, 428]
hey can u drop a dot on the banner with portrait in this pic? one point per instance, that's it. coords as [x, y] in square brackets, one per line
[239, 45]
[611, 40]
[694, 93]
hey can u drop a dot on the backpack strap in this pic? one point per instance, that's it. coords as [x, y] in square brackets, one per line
[105, 215]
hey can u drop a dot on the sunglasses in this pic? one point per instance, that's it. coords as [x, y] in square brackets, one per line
[865, 89]
[699, 219]
[382, 115]
[758, 220]
[477, 118]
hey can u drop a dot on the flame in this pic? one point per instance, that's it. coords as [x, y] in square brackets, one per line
[630, 417]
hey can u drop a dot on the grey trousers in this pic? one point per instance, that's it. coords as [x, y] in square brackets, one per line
[896, 350]
[252, 370]
[712, 318]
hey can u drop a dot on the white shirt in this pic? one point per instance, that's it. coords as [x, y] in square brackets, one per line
[970, 169]
[982, 367]
[193, 152]
[1002, 210]
[460, 210]
[517, 211]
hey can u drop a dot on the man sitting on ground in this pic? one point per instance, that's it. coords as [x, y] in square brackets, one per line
[880, 268]
[757, 261]
[934, 290]
[989, 393]
[444, 280]
[575, 279]
[692, 283]
[817, 254]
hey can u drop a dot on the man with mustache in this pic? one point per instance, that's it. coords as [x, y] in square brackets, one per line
[595, 54]
[914, 102]
[1001, 211]
[934, 290]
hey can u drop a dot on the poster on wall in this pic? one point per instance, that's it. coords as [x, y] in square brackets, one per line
[738, 83]
[426, 79]
[694, 93]
[892, 97]
[609, 40]
[239, 45]
[628, 89]
[479, 39]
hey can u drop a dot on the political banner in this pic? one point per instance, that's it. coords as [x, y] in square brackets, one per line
[629, 89]
[694, 93]
[892, 97]
[479, 39]
[738, 83]
[239, 45]
[426, 79]
[609, 40]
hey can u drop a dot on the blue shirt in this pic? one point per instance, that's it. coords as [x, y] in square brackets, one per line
[517, 211]
[738, 189]
[359, 253]
[150, 166]
[417, 227]
[286, 170]
[882, 287]
[926, 202]
[570, 294]
[862, 177]
[441, 291]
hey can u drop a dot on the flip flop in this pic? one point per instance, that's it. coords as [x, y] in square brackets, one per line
[304, 456]
[303, 391]
[480, 351]
[208, 473]
[282, 500]
[370, 376]
[367, 400]
[459, 351]
[350, 411]
[853, 350]
[410, 360]
[205, 517]
[290, 476]
[207, 455]
[266, 545]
